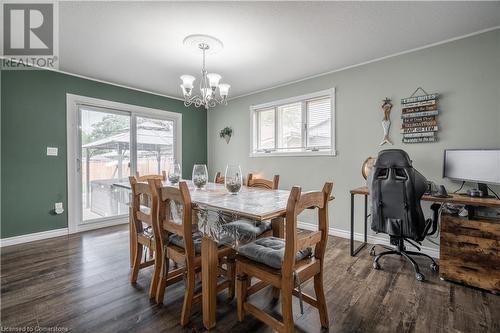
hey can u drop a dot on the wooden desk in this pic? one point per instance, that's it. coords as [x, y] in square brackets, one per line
[469, 249]
[454, 198]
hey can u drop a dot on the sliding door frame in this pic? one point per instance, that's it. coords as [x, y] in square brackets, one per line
[73, 105]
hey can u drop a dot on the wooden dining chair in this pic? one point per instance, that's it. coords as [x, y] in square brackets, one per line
[181, 243]
[142, 229]
[263, 183]
[286, 264]
[219, 179]
[144, 178]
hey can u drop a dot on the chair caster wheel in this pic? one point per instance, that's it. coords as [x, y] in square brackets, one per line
[372, 251]
[419, 276]
[376, 265]
[435, 267]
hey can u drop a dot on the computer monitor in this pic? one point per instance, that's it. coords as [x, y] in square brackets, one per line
[481, 166]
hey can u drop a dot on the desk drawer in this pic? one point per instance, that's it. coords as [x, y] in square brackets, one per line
[462, 270]
[489, 229]
[469, 244]
[470, 252]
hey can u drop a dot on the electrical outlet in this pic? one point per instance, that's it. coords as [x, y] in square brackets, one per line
[58, 208]
[52, 151]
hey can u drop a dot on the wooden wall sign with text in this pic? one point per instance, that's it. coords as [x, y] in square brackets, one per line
[419, 114]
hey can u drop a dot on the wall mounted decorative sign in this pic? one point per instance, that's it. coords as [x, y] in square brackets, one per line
[386, 121]
[419, 114]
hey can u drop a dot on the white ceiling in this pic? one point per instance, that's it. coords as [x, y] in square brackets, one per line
[266, 43]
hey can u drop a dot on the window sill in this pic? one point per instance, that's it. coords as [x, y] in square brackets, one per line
[330, 153]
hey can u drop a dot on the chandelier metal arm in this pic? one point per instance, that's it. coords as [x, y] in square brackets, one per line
[198, 101]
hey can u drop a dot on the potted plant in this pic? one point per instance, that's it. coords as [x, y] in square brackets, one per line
[226, 133]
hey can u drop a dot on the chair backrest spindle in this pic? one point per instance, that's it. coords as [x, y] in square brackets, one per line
[219, 178]
[297, 203]
[145, 178]
[175, 213]
[263, 183]
[141, 190]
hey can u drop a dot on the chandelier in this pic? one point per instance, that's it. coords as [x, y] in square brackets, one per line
[209, 82]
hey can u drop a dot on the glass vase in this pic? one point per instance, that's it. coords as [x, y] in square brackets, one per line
[200, 176]
[174, 173]
[233, 179]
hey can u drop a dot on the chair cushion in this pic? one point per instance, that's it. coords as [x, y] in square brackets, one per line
[270, 251]
[179, 241]
[246, 229]
[148, 232]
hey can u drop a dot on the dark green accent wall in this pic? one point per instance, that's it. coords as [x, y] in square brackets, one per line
[33, 116]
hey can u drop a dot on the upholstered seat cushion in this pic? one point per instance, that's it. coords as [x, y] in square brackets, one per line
[270, 251]
[179, 241]
[246, 229]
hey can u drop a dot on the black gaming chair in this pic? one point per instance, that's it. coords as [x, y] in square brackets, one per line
[395, 190]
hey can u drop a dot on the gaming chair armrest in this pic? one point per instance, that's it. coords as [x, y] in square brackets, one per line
[434, 221]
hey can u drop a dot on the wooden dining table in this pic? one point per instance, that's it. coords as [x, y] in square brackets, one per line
[252, 203]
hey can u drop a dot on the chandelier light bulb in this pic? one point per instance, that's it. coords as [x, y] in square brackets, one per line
[224, 89]
[213, 80]
[185, 92]
[187, 81]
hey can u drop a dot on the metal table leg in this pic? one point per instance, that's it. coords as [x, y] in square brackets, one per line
[363, 244]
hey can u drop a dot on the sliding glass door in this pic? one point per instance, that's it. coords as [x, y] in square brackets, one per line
[114, 144]
[105, 161]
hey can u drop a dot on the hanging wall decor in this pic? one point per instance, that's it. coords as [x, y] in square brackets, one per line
[226, 133]
[419, 114]
[386, 121]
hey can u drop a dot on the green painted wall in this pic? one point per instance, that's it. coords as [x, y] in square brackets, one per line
[33, 113]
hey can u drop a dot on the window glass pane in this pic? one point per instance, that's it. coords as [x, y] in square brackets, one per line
[319, 120]
[155, 145]
[290, 126]
[105, 160]
[265, 130]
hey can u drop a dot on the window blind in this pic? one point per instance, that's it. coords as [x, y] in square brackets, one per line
[319, 120]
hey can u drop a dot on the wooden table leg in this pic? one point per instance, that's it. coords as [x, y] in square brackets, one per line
[132, 236]
[209, 271]
[278, 225]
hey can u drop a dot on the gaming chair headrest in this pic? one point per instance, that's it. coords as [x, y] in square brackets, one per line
[390, 158]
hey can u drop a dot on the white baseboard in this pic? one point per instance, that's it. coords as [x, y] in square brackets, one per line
[33, 237]
[101, 224]
[433, 252]
[58, 232]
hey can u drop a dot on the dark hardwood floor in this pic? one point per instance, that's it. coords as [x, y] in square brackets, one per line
[81, 283]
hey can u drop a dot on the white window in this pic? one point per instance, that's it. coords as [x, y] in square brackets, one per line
[302, 125]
